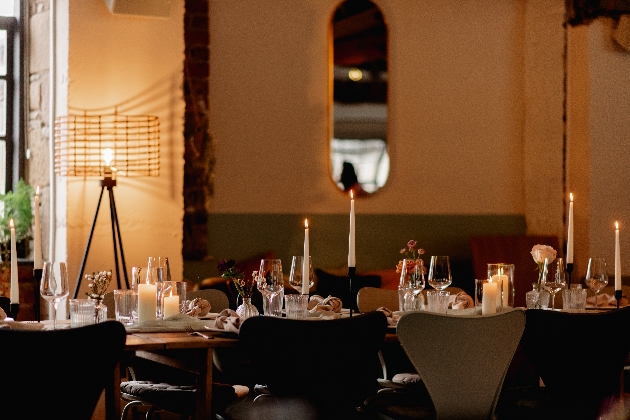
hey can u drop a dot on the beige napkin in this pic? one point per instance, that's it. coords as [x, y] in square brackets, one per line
[460, 301]
[228, 320]
[14, 325]
[197, 307]
[606, 300]
[319, 304]
[391, 318]
[3, 314]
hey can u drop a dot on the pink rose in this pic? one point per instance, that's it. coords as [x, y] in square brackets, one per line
[411, 244]
[540, 252]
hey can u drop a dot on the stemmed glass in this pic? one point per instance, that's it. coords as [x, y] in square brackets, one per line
[52, 290]
[440, 272]
[412, 279]
[596, 275]
[295, 277]
[271, 282]
[556, 280]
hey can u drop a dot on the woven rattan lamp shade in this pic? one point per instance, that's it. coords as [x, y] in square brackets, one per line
[80, 141]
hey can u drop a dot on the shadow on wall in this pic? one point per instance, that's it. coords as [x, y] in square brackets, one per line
[379, 239]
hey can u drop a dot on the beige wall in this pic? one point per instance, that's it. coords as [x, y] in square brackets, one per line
[599, 142]
[456, 108]
[135, 65]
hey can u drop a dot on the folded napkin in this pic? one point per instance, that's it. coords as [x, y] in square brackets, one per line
[392, 319]
[319, 304]
[228, 320]
[606, 300]
[3, 314]
[197, 307]
[460, 301]
[14, 325]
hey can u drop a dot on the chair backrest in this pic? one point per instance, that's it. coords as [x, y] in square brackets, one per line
[578, 353]
[332, 362]
[510, 249]
[218, 300]
[462, 360]
[58, 373]
[371, 298]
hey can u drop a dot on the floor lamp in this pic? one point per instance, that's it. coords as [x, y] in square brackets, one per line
[107, 146]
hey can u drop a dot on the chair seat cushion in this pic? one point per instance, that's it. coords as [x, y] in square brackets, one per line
[406, 378]
[176, 398]
[402, 405]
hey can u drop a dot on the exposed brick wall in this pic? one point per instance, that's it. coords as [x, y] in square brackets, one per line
[198, 169]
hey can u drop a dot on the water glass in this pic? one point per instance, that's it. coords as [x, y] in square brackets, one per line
[296, 306]
[276, 306]
[125, 301]
[295, 277]
[574, 300]
[82, 312]
[437, 301]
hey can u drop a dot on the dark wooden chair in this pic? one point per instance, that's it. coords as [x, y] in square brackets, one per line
[311, 369]
[580, 359]
[58, 374]
[510, 249]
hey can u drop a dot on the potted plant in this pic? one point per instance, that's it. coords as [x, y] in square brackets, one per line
[16, 205]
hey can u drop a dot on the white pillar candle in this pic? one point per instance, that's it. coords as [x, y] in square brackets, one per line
[617, 259]
[171, 305]
[305, 261]
[37, 236]
[489, 298]
[147, 302]
[570, 233]
[352, 261]
[15, 288]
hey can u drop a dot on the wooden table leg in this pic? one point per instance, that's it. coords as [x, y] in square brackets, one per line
[204, 387]
[112, 396]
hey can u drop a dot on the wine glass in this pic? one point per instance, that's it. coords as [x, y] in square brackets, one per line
[412, 279]
[440, 272]
[596, 275]
[555, 280]
[271, 283]
[52, 290]
[295, 277]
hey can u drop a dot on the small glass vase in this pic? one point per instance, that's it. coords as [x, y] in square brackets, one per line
[247, 309]
[100, 311]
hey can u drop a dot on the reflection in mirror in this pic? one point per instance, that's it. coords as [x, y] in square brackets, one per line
[358, 149]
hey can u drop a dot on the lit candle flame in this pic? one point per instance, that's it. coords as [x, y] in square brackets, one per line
[37, 190]
[571, 196]
[351, 194]
[617, 225]
[11, 225]
[306, 223]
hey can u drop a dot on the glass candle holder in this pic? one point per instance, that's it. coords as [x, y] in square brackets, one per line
[503, 275]
[173, 298]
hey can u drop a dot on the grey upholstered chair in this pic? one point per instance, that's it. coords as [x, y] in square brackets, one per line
[462, 361]
[218, 300]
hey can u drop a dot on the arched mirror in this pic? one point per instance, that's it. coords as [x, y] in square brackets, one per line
[358, 148]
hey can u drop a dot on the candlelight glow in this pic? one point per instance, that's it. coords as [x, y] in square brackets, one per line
[571, 196]
[11, 225]
[37, 190]
[306, 223]
[355, 74]
[351, 194]
[616, 225]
